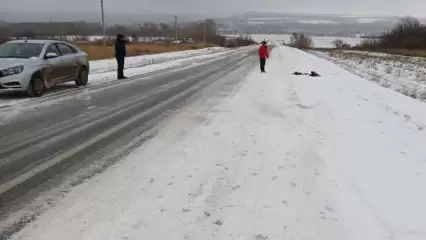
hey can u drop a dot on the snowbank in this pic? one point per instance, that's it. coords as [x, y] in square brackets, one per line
[319, 42]
[108, 65]
[281, 157]
[105, 70]
[406, 75]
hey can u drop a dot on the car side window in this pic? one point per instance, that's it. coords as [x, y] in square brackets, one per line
[65, 49]
[73, 49]
[52, 49]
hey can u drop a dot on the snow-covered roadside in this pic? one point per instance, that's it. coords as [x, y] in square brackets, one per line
[406, 75]
[105, 70]
[108, 65]
[283, 157]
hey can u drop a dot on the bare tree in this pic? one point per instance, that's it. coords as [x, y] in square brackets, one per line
[338, 43]
[409, 33]
[408, 24]
[301, 41]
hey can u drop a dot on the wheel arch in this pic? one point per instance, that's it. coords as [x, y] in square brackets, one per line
[42, 72]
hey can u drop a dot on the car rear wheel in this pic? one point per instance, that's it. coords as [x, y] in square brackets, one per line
[36, 88]
[82, 78]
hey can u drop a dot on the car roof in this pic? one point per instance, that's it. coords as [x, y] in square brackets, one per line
[38, 41]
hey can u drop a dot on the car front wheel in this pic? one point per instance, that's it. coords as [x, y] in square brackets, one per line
[82, 78]
[36, 88]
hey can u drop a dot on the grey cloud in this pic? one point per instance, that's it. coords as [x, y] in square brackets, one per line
[223, 7]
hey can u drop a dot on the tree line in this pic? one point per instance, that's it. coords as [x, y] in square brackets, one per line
[148, 29]
[408, 33]
[80, 31]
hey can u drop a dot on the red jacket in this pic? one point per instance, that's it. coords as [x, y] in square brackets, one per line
[263, 51]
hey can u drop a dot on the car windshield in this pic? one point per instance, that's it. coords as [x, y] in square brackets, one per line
[20, 50]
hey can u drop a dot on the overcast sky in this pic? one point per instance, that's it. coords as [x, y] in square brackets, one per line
[359, 7]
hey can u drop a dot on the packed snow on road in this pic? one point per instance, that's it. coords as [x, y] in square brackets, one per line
[104, 72]
[278, 157]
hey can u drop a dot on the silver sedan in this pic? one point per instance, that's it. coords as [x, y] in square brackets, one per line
[35, 65]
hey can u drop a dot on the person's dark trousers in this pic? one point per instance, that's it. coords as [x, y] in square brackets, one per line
[120, 68]
[262, 64]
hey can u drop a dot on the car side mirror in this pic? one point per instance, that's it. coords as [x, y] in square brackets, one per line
[51, 55]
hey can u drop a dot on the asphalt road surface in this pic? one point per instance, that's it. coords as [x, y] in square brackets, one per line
[64, 132]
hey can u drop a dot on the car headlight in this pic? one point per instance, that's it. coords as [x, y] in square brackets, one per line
[11, 71]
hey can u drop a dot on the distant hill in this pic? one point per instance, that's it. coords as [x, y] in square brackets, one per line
[246, 23]
[315, 24]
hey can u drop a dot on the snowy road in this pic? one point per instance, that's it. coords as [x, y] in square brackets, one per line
[66, 132]
[276, 156]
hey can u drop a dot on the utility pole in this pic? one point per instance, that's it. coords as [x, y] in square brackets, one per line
[218, 37]
[204, 31]
[103, 28]
[176, 29]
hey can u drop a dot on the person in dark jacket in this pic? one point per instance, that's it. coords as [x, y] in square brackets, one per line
[263, 55]
[120, 54]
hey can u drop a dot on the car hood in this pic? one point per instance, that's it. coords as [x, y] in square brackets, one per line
[11, 62]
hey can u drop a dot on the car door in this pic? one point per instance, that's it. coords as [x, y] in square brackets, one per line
[69, 59]
[56, 68]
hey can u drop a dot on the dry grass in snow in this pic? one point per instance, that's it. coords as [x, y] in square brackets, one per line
[406, 75]
[96, 50]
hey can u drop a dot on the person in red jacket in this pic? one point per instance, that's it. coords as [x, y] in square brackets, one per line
[263, 55]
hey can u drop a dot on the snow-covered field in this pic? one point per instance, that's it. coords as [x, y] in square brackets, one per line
[280, 157]
[319, 42]
[406, 75]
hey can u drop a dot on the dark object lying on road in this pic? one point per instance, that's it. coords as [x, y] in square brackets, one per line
[312, 74]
